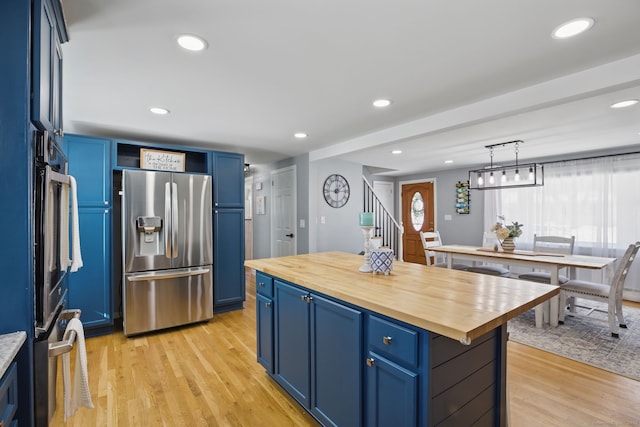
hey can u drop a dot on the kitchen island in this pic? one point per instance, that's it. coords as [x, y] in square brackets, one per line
[422, 346]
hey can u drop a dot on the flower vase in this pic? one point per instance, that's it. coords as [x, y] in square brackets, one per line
[508, 244]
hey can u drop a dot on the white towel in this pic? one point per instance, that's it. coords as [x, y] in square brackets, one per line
[80, 395]
[65, 261]
[76, 255]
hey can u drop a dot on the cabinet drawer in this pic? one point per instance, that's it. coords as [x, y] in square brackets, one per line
[264, 284]
[395, 341]
[9, 395]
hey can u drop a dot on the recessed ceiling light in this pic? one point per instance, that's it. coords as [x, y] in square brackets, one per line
[300, 135]
[381, 103]
[191, 42]
[159, 111]
[572, 28]
[622, 104]
[396, 152]
[448, 162]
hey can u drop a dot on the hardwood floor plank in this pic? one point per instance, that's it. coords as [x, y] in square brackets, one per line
[207, 375]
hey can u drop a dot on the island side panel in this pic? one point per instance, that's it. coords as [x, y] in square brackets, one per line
[468, 383]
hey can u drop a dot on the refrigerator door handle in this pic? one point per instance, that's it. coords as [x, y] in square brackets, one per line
[167, 220]
[140, 277]
[174, 220]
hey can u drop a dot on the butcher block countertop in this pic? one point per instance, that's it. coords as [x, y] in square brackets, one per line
[457, 304]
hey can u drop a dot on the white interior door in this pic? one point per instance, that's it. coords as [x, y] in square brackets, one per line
[283, 212]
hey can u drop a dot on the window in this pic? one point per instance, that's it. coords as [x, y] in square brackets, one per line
[595, 200]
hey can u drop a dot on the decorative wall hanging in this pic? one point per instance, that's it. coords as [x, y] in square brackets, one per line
[463, 198]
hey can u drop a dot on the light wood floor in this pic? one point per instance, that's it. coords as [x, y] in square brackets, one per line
[207, 375]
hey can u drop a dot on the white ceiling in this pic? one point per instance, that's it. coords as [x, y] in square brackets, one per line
[462, 74]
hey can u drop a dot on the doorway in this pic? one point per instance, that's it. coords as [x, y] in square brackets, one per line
[283, 212]
[417, 203]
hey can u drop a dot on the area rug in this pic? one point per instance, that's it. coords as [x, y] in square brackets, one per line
[585, 340]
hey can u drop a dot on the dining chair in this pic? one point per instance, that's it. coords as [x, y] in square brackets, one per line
[553, 245]
[432, 239]
[489, 240]
[610, 294]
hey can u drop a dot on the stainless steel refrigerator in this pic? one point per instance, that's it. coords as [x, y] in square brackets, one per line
[167, 250]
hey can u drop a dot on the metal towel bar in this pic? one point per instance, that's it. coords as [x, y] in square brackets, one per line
[65, 346]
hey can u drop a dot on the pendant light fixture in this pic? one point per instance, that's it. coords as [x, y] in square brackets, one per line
[510, 176]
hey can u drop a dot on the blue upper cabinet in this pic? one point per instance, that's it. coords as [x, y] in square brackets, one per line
[90, 164]
[49, 32]
[228, 180]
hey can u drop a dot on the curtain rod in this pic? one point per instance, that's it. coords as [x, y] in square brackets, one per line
[591, 157]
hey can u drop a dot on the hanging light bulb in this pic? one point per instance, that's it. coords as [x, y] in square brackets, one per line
[531, 175]
[504, 176]
[517, 175]
[491, 178]
[480, 180]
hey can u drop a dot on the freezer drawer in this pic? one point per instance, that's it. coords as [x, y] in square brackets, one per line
[163, 299]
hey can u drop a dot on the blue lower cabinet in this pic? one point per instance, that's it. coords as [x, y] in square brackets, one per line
[264, 319]
[228, 259]
[90, 287]
[318, 354]
[392, 393]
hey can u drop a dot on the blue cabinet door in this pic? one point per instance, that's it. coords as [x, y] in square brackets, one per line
[228, 180]
[264, 331]
[47, 68]
[292, 352]
[228, 259]
[90, 286]
[336, 363]
[392, 393]
[90, 164]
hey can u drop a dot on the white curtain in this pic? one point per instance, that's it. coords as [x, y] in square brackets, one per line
[596, 200]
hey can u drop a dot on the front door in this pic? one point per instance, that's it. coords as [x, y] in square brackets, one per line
[417, 216]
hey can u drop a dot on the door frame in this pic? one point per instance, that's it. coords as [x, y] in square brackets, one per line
[399, 201]
[294, 198]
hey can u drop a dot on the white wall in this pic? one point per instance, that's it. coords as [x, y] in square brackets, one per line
[340, 230]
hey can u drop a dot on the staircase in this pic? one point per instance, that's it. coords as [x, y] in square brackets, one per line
[385, 225]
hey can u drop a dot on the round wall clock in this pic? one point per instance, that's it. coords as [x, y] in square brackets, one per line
[336, 190]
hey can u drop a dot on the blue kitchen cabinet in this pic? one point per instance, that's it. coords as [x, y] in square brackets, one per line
[318, 354]
[228, 259]
[264, 320]
[90, 287]
[392, 393]
[49, 33]
[228, 180]
[90, 164]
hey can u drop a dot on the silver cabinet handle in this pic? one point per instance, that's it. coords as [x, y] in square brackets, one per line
[387, 340]
[261, 284]
[267, 304]
[371, 361]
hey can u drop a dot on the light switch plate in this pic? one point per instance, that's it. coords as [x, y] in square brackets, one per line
[448, 217]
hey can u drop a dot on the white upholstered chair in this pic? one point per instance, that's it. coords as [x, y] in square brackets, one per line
[552, 245]
[489, 240]
[431, 239]
[610, 294]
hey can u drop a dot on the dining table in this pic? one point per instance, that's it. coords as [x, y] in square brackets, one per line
[551, 262]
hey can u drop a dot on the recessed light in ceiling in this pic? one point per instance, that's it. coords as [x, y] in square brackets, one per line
[396, 152]
[158, 110]
[191, 42]
[572, 28]
[448, 162]
[381, 103]
[300, 135]
[622, 104]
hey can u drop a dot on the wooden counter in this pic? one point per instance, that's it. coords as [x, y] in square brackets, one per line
[459, 305]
